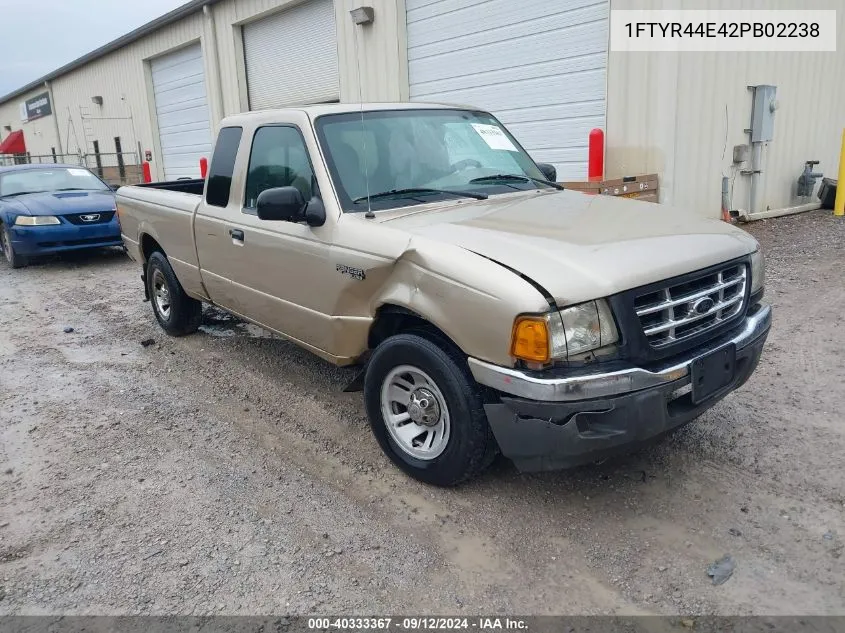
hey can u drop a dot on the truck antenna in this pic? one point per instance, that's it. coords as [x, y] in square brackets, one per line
[369, 214]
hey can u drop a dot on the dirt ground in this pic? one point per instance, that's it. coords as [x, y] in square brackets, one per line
[226, 472]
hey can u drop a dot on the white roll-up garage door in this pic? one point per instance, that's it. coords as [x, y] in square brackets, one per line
[291, 57]
[181, 111]
[539, 66]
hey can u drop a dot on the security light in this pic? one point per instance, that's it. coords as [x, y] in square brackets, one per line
[362, 15]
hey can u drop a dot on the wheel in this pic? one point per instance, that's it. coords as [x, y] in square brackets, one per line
[15, 260]
[426, 411]
[177, 313]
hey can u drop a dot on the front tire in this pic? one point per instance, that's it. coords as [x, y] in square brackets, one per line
[176, 312]
[426, 411]
[15, 260]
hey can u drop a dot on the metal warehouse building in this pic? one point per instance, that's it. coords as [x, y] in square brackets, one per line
[542, 66]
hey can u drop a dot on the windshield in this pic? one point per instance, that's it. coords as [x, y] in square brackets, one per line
[52, 179]
[429, 152]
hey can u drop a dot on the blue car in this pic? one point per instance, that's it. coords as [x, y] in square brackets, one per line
[52, 208]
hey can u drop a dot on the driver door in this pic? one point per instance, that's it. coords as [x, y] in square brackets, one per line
[267, 271]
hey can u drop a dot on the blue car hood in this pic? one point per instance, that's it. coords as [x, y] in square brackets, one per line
[66, 202]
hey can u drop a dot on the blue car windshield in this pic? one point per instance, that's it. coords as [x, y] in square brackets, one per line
[52, 179]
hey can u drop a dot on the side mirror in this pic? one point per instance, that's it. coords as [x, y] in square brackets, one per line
[549, 171]
[283, 204]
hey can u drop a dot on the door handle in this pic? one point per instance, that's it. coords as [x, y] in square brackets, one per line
[236, 234]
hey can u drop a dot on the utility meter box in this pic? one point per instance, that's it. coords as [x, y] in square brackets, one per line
[763, 113]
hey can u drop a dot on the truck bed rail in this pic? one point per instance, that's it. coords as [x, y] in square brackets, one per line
[186, 185]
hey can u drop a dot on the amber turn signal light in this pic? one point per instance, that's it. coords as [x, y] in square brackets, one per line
[530, 339]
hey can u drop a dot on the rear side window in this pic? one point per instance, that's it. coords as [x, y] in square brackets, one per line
[223, 166]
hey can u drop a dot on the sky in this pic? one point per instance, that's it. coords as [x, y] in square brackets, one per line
[39, 36]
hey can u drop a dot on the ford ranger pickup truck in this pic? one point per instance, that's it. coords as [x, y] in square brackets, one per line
[489, 310]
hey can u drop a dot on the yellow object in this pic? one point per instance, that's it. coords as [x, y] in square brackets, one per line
[839, 205]
[530, 340]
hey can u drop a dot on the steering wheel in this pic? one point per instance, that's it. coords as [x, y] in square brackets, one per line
[465, 164]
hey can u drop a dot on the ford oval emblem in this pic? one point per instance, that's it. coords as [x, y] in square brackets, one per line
[702, 306]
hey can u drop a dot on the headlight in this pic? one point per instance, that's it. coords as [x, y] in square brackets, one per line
[36, 220]
[758, 271]
[588, 326]
[560, 335]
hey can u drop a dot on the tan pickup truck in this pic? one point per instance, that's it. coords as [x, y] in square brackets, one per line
[490, 310]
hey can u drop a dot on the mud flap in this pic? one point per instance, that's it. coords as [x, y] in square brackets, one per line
[357, 383]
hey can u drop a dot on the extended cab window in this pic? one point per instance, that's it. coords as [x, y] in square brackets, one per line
[278, 159]
[223, 166]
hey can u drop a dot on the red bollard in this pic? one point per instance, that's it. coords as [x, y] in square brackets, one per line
[148, 177]
[595, 164]
[203, 167]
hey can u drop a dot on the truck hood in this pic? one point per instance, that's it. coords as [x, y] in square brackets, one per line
[577, 246]
[66, 202]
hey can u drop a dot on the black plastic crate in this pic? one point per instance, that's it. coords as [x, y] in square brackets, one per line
[827, 192]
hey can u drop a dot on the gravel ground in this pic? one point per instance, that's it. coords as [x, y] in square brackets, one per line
[226, 472]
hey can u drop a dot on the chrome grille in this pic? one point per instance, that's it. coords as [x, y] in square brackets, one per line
[692, 306]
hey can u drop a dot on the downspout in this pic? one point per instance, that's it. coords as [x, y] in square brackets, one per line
[55, 116]
[756, 171]
[217, 91]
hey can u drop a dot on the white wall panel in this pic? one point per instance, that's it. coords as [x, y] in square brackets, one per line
[680, 114]
[539, 66]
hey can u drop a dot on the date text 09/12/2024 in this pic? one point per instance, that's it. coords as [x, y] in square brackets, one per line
[417, 624]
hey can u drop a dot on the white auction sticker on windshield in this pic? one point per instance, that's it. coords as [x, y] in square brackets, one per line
[494, 137]
[77, 172]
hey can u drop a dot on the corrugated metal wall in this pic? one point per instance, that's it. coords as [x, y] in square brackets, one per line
[229, 16]
[382, 52]
[679, 113]
[381, 46]
[121, 78]
[666, 112]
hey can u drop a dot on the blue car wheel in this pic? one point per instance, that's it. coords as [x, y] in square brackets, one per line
[15, 260]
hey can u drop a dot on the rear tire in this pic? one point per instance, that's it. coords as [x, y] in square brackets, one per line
[443, 440]
[176, 312]
[15, 260]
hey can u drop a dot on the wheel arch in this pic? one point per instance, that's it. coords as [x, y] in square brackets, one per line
[149, 245]
[391, 319]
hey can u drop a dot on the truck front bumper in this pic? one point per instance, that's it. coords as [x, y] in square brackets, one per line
[559, 419]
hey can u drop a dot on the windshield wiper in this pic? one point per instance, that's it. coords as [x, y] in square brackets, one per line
[516, 177]
[410, 190]
[78, 189]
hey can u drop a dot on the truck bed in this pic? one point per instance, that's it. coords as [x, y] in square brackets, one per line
[193, 185]
[163, 211]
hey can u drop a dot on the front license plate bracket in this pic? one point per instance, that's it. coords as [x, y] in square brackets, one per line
[712, 373]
